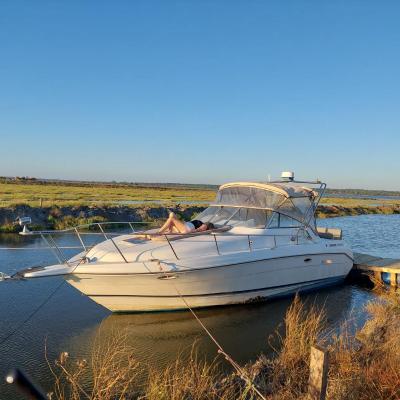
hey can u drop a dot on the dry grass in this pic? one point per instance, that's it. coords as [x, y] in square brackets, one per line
[367, 365]
[193, 379]
[355, 202]
[13, 193]
[70, 195]
[110, 372]
[362, 366]
[285, 376]
[113, 373]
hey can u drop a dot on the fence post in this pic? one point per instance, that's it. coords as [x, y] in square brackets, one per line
[378, 276]
[393, 279]
[318, 381]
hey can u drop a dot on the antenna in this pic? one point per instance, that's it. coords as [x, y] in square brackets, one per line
[287, 176]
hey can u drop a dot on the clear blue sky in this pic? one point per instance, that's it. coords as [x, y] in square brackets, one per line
[201, 91]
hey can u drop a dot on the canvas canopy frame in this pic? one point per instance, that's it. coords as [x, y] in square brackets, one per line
[291, 199]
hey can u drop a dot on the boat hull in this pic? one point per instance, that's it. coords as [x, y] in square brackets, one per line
[244, 282]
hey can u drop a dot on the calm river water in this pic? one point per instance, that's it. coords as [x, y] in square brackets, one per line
[69, 321]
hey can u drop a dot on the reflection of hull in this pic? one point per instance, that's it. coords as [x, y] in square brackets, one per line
[222, 285]
[157, 338]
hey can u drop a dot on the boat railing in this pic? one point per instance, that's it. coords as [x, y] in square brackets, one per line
[293, 238]
[87, 229]
[48, 236]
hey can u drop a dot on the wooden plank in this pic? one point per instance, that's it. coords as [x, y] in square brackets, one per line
[378, 276]
[377, 268]
[366, 262]
[361, 258]
[318, 380]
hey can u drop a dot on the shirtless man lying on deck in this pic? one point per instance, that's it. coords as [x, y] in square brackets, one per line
[173, 224]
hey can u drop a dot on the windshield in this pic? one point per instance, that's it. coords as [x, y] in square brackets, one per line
[257, 203]
[246, 217]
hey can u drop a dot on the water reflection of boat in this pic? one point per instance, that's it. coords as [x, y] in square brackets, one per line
[266, 244]
[244, 330]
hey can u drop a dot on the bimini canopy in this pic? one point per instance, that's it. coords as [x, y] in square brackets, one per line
[294, 201]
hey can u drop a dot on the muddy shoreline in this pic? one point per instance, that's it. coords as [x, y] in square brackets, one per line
[63, 217]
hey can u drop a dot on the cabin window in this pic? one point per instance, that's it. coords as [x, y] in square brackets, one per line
[273, 221]
[246, 217]
[257, 218]
[208, 214]
[287, 222]
[219, 215]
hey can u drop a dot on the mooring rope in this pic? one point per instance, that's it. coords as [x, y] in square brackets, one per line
[241, 373]
[34, 312]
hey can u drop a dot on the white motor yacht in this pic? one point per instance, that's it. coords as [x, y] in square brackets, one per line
[265, 244]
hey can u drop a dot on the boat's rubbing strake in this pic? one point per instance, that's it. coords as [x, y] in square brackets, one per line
[317, 283]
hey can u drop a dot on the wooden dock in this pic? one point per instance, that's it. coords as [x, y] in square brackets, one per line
[378, 266]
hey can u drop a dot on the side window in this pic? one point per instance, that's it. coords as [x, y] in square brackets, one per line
[256, 218]
[273, 220]
[287, 222]
[239, 216]
[223, 214]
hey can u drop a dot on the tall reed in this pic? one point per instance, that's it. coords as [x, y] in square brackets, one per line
[364, 365]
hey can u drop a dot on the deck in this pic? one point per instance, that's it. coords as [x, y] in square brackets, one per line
[378, 266]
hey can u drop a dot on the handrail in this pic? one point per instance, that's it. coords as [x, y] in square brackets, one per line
[294, 237]
[115, 244]
[56, 250]
[222, 231]
[72, 229]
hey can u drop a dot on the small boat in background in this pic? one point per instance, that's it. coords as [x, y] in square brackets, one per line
[265, 244]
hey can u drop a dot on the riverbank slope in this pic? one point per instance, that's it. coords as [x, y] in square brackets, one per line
[61, 217]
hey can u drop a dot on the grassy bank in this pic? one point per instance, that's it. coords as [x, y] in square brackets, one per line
[34, 195]
[68, 216]
[364, 365]
[51, 195]
[57, 217]
[57, 206]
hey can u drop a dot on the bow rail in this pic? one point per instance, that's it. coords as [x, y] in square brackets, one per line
[48, 237]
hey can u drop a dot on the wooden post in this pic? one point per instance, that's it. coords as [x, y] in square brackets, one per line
[378, 276]
[318, 381]
[41, 202]
[393, 279]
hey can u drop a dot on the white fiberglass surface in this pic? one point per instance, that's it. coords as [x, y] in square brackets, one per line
[238, 239]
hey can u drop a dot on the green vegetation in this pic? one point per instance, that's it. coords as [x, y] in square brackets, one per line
[368, 192]
[34, 195]
[9, 228]
[58, 205]
[37, 194]
[354, 202]
[363, 364]
[69, 221]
